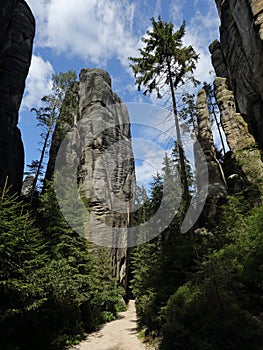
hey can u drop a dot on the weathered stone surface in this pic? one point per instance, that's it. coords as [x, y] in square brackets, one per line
[16, 38]
[98, 151]
[241, 143]
[257, 10]
[217, 185]
[241, 58]
[106, 172]
[27, 185]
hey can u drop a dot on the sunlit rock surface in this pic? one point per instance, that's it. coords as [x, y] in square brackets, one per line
[239, 57]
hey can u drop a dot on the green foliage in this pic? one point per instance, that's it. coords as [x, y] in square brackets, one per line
[160, 265]
[166, 62]
[201, 291]
[22, 256]
[47, 116]
[163, 55]
[52, 288]
[219, 307]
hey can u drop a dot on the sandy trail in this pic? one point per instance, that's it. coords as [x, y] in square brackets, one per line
[117, 335]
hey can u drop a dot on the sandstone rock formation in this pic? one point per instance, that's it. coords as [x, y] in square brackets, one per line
[106, 172]
[97, 154]
[27, 185]
[239, 57]
[217, 185]
[16, 38]
[241, 143]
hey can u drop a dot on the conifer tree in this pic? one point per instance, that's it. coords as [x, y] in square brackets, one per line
[22, 256]
[47, 116]
[165, 62]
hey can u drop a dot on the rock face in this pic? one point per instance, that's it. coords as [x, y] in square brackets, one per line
[106, 172]
[98, 150]
[27, 185]
[239, 58]
[16, 39]
[217, 185]
[241, 143]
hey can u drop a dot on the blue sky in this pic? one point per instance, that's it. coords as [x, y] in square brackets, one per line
[73, 34]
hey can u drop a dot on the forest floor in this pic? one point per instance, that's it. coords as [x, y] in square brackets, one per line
[120, 334]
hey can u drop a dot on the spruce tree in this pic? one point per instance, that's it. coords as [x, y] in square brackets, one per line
[165, 62]
[22, 256]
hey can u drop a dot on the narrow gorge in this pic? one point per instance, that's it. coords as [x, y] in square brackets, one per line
[68, 263]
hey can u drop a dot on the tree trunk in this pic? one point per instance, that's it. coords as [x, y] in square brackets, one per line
[39, 166]
[183, 174]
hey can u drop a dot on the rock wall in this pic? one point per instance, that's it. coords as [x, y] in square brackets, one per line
[98, 149]
[241, 143]
[239, 58]
[16, 40]
[106, 172]
[217, 185]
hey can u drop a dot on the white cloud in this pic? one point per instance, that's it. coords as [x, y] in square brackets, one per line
[200, 32]
[176, 11]
[38, 82]
[92, 30]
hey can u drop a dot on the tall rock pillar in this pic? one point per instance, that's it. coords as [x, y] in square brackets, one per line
[98, 150]
[16, 40]
[216, 185]
[106, 171]
[239, 58]
[241, 143]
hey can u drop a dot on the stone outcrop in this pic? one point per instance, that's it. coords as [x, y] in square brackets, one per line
[239, 58]
[106, 172]
[257, 10]
[216, 185]
[97, 154]
[241, 143]
[16, 40]
[27, 185]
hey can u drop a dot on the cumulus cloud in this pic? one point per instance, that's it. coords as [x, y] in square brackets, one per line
[93, 30]
[38, 82]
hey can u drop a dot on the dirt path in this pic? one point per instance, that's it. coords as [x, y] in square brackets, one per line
[117, 335]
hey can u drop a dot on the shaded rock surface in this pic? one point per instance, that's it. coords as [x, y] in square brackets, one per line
[217, 185]
[239, 58]
[16, 40]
